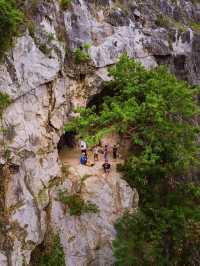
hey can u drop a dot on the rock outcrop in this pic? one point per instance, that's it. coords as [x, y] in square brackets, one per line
[45, 84]
[87, 240]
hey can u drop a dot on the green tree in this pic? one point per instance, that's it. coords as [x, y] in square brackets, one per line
[157, 113]
[10, 19]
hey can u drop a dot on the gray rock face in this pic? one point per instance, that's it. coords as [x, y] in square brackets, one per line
[87, 240]
[3, 260]
[45, 85]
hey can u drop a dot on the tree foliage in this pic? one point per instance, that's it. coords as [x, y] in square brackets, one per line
[157, 113]
[161, 233]
[5, 101]
[10, 19]
[53, 255]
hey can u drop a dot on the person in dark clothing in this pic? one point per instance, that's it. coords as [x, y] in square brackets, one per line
[106, 152]
[106, 167]
[115, 150]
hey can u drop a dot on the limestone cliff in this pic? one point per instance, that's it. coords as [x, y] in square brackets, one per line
[45, 83]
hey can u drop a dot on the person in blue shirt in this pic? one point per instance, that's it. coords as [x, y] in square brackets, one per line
[83, 159]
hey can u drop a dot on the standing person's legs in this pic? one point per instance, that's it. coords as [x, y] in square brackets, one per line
[106, 156]
[107, 172]
[85, 160]
[96, 157]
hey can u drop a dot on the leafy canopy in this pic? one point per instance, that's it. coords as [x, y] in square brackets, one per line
[157, 113]
[168, 234]
[151, 108]
[10, 19]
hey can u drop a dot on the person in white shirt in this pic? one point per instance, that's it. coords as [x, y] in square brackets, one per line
[83, 147]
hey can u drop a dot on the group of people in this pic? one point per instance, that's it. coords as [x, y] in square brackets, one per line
[106, 165]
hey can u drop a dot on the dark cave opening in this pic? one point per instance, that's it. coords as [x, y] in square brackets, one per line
[67, 140]
[97, 99]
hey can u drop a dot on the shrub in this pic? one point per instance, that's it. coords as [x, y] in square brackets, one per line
[87, 46]
[10, 20]
[162, 21]
[195, 26]
[51, 256]
[50, 37]
[64, 4]
[81, 56]
[76, 204]
[5, 101]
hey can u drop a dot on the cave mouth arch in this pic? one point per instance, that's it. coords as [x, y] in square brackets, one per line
[97, 99]
[67, 141]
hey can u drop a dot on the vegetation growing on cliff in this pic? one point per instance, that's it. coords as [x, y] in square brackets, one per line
[10, 19]
[76, 204]
[156, 112]
[81, 56]
[64, 4]
[5, 101]
[53, 255]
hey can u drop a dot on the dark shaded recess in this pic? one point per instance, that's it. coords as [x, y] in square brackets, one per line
[98, 99]
[163, 59]
[67, 140]
[185, 37]
[13, 168]
[179, 63]
[180, 67]
[118, 18]
[37, 253]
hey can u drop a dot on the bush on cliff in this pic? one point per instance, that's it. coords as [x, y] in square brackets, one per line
[64, 4]
[10, 19]
[5, 101]
[50, 253]
[157, 113]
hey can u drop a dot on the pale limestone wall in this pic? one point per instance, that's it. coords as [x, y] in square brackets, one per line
[44, 89]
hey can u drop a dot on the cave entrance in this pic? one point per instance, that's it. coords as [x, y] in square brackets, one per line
[68, 148]
[68, 145]
[67, 141]
[97, 99]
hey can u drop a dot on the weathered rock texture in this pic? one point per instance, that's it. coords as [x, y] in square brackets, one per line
[45, 84]
[87, 240]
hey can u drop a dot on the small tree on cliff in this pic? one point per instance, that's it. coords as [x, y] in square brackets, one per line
[157, 113]
[10, 20]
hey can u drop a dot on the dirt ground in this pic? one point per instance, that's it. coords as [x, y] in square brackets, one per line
[71, 157]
